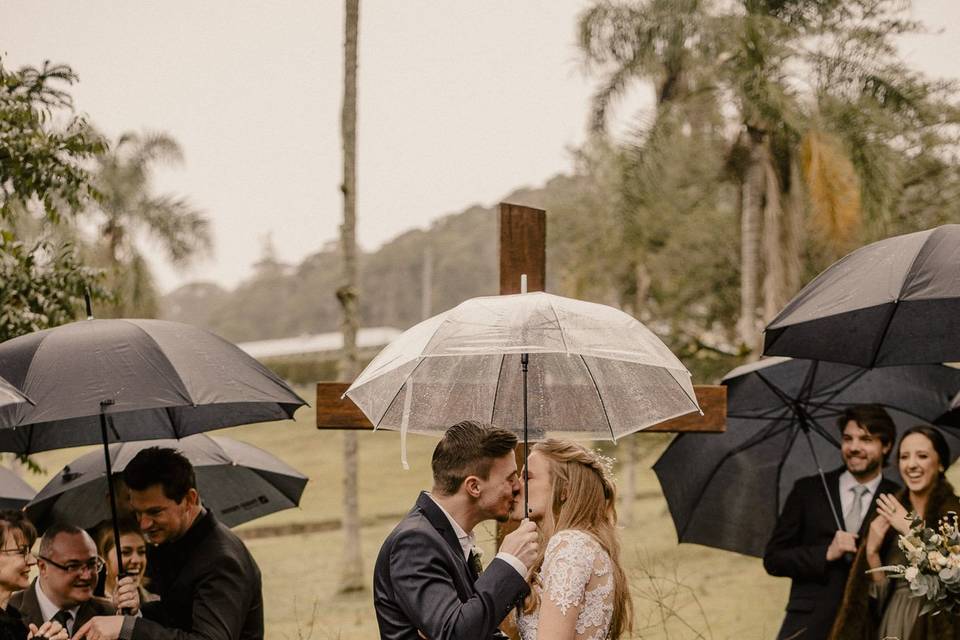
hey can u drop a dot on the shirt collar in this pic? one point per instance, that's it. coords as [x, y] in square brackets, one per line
[48, 609]
[847, 482]
[467, 540]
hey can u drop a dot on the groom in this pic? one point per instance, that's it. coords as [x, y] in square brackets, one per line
[427, 581]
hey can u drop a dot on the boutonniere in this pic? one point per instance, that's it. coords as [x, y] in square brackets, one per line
[476, 555]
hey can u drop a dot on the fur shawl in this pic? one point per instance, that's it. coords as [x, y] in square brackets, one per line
[859, 615]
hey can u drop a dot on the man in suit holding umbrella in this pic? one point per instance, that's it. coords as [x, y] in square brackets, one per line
[209, 584]
[807, 545]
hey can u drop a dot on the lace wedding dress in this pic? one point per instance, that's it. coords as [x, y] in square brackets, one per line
[576, 577]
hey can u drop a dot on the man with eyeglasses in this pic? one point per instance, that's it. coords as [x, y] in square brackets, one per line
[69, 568]
[209, 584]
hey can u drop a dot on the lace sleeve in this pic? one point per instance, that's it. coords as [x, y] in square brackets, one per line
[568, 567]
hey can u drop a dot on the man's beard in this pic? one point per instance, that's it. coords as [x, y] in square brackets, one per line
[872, 466]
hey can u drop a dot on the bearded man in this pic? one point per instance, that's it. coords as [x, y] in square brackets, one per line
[806, 545]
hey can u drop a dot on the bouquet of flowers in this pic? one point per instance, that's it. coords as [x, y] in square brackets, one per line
[933, 569]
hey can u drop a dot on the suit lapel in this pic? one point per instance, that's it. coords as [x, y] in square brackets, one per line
[30, 606]
[833, 483]
[84, 613]
[439, 520]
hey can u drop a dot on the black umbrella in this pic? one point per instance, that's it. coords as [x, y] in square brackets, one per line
[236, 480]
[726, 490]
[100, 381]
[896, 301]
[14, 492]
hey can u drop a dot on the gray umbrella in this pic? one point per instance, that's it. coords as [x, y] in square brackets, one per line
[896, 301]
[726, 490]
[97, 381]
[236, 480]
[14, 492]
[152, 378]
[9, 394]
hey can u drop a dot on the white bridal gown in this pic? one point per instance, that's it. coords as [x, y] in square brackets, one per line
[576, 576]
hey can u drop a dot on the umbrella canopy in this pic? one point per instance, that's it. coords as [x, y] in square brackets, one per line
[236, 480]
[162, 380]
[9, 394]
[726, 490]
[896, 301]
[14, 492]
[594, 371]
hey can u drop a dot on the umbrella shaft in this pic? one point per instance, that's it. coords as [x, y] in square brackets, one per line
[524, 361]
[110, 487]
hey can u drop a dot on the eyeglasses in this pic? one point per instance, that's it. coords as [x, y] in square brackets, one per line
[94, 564]
[23, 550]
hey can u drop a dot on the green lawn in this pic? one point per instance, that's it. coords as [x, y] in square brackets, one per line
[680, 591]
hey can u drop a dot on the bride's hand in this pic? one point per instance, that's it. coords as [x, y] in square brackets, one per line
[894, 512]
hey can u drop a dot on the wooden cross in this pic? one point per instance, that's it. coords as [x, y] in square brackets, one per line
[523, 250]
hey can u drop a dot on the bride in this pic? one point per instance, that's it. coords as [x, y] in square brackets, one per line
[579, 591]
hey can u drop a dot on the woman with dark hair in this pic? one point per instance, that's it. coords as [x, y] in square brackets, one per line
[16, 561]
[874, 606]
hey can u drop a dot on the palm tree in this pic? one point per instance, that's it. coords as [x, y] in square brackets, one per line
[128, 211]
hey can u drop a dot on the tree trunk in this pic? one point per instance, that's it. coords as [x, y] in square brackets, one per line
[347, 294]
[751, 212]
[774, 280]
[794, 239]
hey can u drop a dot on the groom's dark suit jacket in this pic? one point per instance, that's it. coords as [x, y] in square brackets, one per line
[798, 550]
[421, 582]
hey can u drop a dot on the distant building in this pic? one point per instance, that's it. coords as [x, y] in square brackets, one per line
[313, 357]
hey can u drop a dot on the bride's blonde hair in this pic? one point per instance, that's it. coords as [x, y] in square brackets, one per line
[584, 497]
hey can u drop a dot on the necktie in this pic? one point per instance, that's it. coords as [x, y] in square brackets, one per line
[855, 515]
[63, 617]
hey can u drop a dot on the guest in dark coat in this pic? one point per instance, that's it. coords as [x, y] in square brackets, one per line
[17, 536]
[875, 606]
[209, 584]
[806, 545]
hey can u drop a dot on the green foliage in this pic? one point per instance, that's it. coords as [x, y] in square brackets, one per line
[40, 161]
[42, 282]
[41, 286]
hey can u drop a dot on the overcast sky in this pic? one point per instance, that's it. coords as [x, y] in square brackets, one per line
[461, 101]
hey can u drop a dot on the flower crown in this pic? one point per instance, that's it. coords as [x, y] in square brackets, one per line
[606, 465]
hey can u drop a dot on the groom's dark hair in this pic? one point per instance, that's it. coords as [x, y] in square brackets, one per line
[468, 448]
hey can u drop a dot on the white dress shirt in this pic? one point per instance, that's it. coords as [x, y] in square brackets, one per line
[468, 542]
[846, 484]
[48, 609]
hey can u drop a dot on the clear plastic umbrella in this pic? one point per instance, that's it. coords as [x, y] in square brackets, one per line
[594, 371]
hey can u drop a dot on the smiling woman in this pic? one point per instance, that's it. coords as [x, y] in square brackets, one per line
[16, 562]
[873, 605]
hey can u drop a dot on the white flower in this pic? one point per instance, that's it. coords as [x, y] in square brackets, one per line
[911, 574]
[936, 559]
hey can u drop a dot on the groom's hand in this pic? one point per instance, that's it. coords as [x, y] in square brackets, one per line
[522, 543]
